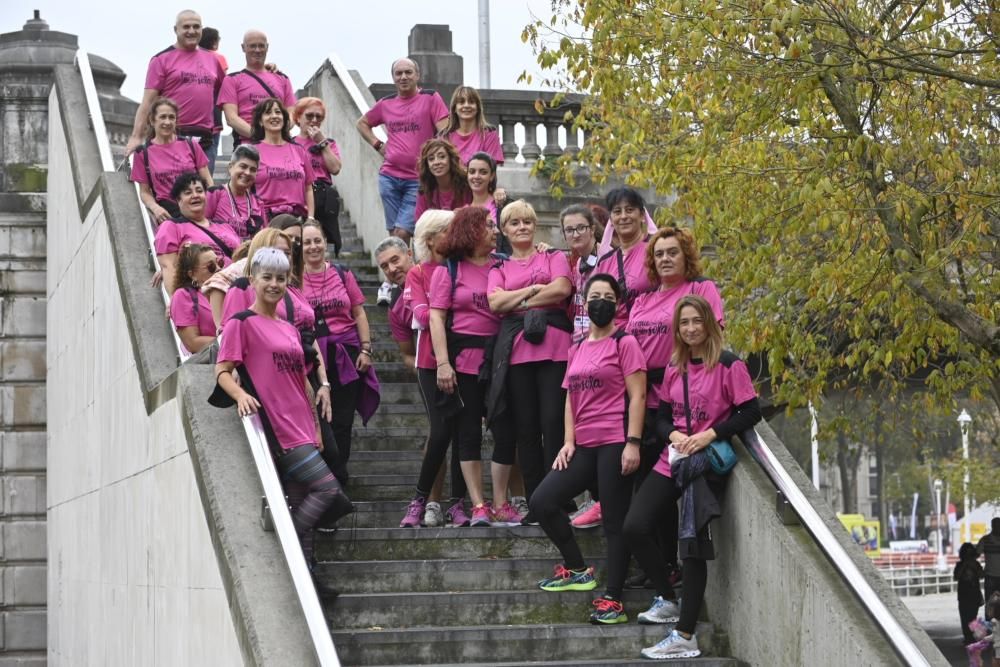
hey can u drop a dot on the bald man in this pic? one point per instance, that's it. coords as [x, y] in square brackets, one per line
[191, 77]
[241, 91]
[411, 117]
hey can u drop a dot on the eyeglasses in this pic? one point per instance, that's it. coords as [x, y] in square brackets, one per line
[313, 116]
[576, 231]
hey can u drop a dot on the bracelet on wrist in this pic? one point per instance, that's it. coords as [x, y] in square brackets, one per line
[378, 144]
[443, 363]
[368, 352]
[324, 383]
[633, 440]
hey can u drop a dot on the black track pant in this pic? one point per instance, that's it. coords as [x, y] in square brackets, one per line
[604, 464]
[665, 531]
[311, 489]
[466, 426]
[343, 403]
[536, 402]
[967, 611]
[427, 381]
[650, 508]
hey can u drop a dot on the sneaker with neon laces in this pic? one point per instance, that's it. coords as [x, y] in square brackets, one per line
[506, 515]
[433, 516]
[414, 511]
[569, 580]
[674, 645]
[662, 611]
[590, 519]
[481, 515]
[608, 611]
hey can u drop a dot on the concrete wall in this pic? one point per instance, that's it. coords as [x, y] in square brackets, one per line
[775, 593]
[133, 577]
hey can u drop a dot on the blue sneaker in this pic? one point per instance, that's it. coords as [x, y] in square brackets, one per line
[674, 645]
[568, 580]
[662, 611]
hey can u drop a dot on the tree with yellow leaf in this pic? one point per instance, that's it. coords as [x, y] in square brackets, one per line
[841, 156]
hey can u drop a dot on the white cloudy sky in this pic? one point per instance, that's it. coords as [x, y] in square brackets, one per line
[367, 34]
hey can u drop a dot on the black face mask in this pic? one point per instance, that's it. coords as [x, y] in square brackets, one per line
[601, 311]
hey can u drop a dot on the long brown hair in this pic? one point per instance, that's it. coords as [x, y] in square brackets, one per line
[187, 261]
[713, 341]
[461, 193]
[471, 94]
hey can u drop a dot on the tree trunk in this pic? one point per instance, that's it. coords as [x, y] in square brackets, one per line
[847, 462]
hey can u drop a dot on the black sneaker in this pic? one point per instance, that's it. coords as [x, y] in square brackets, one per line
[529, 520]
[638, 580]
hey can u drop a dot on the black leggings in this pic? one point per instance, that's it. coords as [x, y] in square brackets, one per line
[427, 382]
[537, 404]
[665, 531]
[467, 427]
[650, 508]
[343, 403]
[604, 464]
[311, 489]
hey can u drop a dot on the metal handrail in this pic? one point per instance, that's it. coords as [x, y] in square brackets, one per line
[326, 654]
[828, 542]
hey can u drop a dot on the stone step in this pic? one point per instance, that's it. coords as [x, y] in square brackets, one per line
[480, 574]
[408, 415]
[540, 644]
[400, 393]
[382, 439]
[451, 608]
[434, 543]
[394, 371]
[703, 661]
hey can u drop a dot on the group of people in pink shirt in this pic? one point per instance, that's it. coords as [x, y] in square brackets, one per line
[597, 369]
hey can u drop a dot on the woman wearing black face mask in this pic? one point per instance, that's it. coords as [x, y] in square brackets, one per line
[605, 407]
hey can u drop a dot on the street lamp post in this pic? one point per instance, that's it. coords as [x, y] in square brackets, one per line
[964, 420]
[942, 561]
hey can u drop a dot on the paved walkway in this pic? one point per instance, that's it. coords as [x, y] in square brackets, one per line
[938, 614]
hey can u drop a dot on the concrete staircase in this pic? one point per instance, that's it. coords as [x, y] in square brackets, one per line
[443, 596]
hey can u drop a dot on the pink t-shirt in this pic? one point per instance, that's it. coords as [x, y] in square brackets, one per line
[636, 279]
[241, 296]
[245, 92]
[190, 78]
[472, 314]
[271, 351]
[711, 397]
[577, 308]
[172, 235]
[409, 122]
[595, 384]
[283, 176]
[244, 213]
[439, 199]
[320, 172]
[401, 318]
[651, 319]
[418, 289]
[539, 269]
[333, 298]
[190, 308]
[485, 141]
[166, 163]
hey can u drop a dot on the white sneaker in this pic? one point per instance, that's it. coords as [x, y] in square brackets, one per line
[662, 611]
[433, 516]
[520, 503]
[384, 295]
[673, 645]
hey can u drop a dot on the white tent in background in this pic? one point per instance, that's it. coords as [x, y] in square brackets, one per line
[980, 519]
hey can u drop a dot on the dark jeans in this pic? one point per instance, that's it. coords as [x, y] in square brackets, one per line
[441, 427]
[650, 508]
[536, 404]
[311, 489]
[604, 464]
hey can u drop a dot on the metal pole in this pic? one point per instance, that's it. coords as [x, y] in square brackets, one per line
[964, 420]
[484, 44]
[814, 435]
[942, 563]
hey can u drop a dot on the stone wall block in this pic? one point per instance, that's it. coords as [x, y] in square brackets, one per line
[23, 316]
[24, 585]
[23, 540]
[22, 360]
[23, 405]
[23, 495]
[24, 630]
[22, 451]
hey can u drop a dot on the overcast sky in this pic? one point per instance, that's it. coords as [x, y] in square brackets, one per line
[367, 35]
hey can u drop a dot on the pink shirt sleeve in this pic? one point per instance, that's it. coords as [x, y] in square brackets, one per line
[422, 205]
[419, 301]
[440, 297]
[287, 96]
[559, 266]
[739, 386]
[138, 174]
[708, 290]
[199, 156]
[353, 291]
[307, 166]
[491, 145]
[496, 279]
[234, 302]
[155, 74]
[374, 115]
[167, 238]
[182, 309]
[438, 108]
[630, 356]
[231, 348]
[227, 93]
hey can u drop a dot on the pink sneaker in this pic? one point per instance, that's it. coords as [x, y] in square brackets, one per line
[507, 514]
[481, 515]
[414, 512]
[456, 514]
[590, 518]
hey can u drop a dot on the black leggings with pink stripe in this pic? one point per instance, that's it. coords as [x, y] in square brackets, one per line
[311, 489]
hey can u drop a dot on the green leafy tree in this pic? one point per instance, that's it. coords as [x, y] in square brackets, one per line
[841, 156]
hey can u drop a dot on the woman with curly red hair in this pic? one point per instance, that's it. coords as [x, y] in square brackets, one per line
[462, 327]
